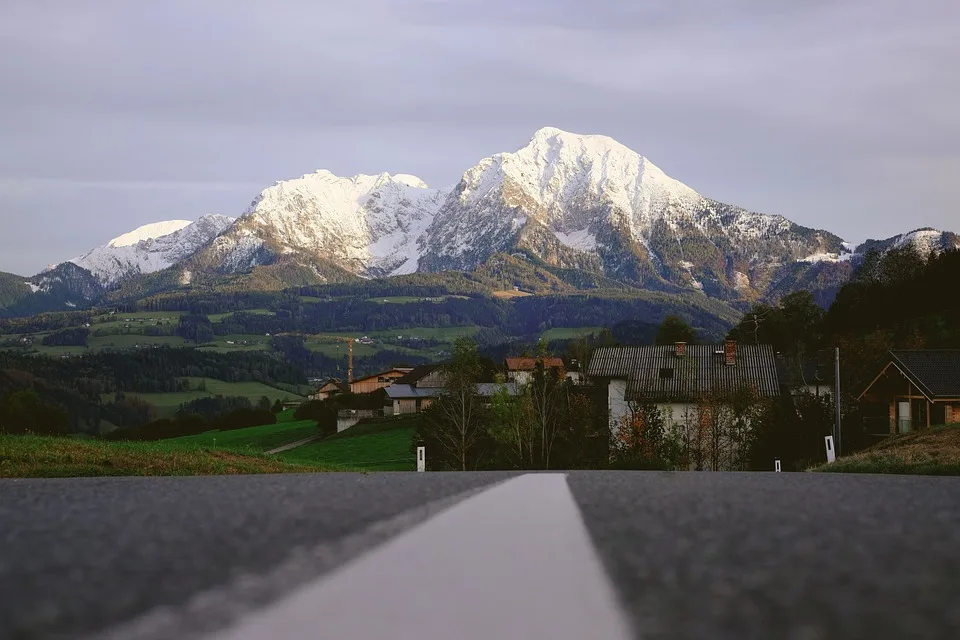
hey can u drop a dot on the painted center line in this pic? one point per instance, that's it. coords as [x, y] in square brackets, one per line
[514, 561]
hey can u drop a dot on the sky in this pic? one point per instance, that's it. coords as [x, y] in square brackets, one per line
[839, 114]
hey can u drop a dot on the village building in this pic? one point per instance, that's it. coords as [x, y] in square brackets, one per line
[418, 389]
[368, 384]
[916, 389]
[520, 370]
[331, 387]
[676, 378]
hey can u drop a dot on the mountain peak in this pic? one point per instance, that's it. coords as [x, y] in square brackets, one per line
[148, 232]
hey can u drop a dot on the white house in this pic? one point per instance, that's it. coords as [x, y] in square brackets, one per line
[675, 377]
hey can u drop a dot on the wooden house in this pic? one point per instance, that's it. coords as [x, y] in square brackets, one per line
[368, 384]
[916, 389]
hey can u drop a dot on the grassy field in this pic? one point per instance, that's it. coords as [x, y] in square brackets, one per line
[407, 299]
[131, 340]
[254, 439]
[45, 457]
[934, 451]
[568, 333]
[376, 445]
[506, 295]
[167, 404]
[218, 317]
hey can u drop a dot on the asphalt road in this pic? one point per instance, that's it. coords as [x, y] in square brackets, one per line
[687, 555]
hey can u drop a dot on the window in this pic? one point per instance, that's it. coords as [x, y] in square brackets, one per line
[666, 373]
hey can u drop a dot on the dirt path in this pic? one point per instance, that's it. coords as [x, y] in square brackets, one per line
[293, 445]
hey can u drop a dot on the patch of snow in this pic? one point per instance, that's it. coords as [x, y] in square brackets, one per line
[686, 265]
[70, 304]
[33, 288]
[186, 277]
[148, 232]
[581, 240]
[151, 248]
[741, 281]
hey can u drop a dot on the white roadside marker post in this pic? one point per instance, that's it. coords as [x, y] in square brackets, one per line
[831, 454]
[776, 463]
[421, 459]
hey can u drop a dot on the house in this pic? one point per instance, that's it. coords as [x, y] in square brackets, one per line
[676, 377]
[371, 383]
[418, 389]
[331, 387]
[914, 390]
[520, 370]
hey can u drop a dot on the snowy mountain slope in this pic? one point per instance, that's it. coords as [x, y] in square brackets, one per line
[925, 240]
[151, 248]
[367, 225]
[580, 204]
[573, 200]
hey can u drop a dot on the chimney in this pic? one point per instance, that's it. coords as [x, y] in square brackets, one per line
[730, 352]
[681, 349]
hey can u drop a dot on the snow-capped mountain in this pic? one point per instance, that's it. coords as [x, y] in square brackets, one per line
[151, 248]
[564, 202]
[586, 201]
[925, 240]
[366, 225]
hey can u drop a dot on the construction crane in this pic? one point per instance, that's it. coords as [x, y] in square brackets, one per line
[349, 341]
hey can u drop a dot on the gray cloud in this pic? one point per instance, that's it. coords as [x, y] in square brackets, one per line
[841, 115]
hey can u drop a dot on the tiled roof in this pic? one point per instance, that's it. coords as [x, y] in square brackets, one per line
[656, 373]
[935, 371]
[529, 364]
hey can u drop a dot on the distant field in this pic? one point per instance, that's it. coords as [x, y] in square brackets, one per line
[407, 299]
[130, 340]
[167, 404]
[45, 457]
[380, 445]
[140, 315]
[254, 439]
[217, 317]
[568, 333]
[506, 295]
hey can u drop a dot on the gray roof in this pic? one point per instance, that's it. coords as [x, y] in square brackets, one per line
[655, 372]
[407, 392]
[935, 371]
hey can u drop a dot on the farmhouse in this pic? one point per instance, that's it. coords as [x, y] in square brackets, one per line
[676, 377]
[418, 389]
[914, 390]
[331, 387]
[520, 370]
[380, 380]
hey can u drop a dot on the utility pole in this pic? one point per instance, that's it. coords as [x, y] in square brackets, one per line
[836, 398]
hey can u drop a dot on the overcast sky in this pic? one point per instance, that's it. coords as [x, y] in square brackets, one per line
[839, 114]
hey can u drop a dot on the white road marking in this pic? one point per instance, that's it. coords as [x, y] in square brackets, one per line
[514, 561]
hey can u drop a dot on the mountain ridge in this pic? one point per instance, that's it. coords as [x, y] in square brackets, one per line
[564, 204]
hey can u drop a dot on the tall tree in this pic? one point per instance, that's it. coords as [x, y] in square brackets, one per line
[454, 422]
[674, 329]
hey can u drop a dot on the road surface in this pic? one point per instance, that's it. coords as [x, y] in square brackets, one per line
[482, 555]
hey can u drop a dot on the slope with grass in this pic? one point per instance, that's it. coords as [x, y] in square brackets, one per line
[253, 439]
[382, 444]
[934, 451]
[48, 457]
[168, 403]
